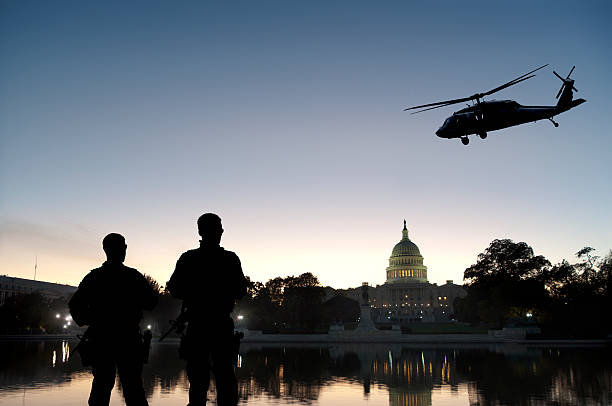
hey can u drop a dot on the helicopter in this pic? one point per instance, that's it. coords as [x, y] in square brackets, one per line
[483, 116]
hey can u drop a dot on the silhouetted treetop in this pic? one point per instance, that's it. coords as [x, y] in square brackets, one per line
[305, 280]
[157, 288]
[505, 259]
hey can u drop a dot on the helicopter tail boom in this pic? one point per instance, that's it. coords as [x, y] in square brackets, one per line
[569, 105]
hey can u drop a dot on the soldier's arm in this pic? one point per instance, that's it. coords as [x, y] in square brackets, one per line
[79, 304]
[241, 283]
[176, 284]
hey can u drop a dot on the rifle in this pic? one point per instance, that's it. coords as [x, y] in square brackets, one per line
[84, 348]
[178, 324]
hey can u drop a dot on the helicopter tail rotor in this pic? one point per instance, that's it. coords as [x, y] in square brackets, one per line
[567, 82]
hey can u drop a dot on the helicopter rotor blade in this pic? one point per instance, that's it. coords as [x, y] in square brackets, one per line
[568, 75]
[476, 96]
[440, 104]
[431, 108]
[514, 82]
[529, 73]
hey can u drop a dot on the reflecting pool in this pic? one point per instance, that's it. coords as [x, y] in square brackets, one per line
[36, 373]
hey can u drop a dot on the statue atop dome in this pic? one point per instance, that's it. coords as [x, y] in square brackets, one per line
[405, 232]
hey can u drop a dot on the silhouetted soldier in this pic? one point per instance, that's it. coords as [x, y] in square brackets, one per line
[110, 300]
[209, 280]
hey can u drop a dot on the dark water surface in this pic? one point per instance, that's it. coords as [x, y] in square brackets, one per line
[39, 373]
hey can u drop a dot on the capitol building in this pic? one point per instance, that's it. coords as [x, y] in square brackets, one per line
[407, 295]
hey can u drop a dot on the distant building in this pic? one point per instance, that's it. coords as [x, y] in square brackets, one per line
[407, 295]
[10, 286]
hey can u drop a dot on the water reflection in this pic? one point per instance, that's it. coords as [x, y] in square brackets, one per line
[410, 375]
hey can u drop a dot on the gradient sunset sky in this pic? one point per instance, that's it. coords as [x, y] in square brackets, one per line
[286, 119]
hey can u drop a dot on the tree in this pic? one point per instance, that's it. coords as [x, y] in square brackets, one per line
[560, 280]
[580, 295]
[303, 281]
[27, 312]
[302, 306]
[586, 252]
[341, 309]
[505, 282]
[569, 300]
[157, 288]
[504, 260]
[294, 301]
[273, 289]
[253, 288]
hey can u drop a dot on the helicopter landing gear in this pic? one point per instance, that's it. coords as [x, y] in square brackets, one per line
[465, 140]
[554, 122]
[482, 135]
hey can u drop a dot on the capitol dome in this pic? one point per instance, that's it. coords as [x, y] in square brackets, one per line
[406, 262]
[405, 247]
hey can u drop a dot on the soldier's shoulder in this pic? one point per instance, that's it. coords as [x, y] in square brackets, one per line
[133, 274]
[91, 275]
[229, 253]
[189, 256]
[189, 253]
[130, 269]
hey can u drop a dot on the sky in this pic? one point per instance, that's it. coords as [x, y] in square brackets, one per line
[286, 119]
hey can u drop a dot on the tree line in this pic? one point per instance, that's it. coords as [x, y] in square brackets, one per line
[33, 313]
[510, 285]
[294, 304]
